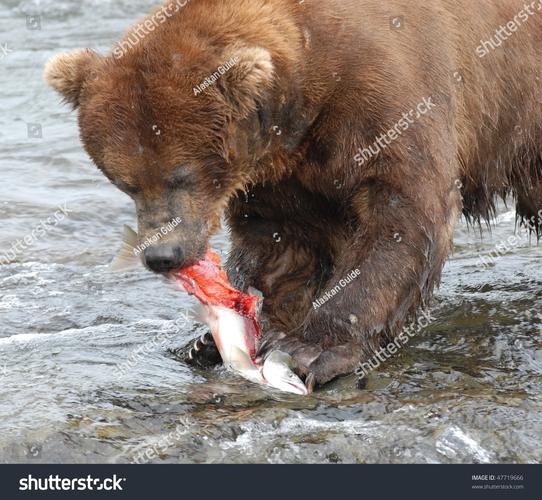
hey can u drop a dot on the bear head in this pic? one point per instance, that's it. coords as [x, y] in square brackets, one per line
[179, 131]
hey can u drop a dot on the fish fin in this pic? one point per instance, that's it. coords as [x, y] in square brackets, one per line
[242, 359]
[127, 258]
[257, 293]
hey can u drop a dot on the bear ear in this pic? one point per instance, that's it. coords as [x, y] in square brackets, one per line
[250, 74]
[67, 73]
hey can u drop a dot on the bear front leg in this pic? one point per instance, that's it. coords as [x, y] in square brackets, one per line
[384, 273]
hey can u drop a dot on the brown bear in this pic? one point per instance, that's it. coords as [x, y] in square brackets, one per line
[341, 139]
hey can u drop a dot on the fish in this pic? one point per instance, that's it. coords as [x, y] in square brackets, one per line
[231, 315]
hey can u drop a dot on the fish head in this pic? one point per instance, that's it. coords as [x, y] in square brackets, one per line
[278, 371]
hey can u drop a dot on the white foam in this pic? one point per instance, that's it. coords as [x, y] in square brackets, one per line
[454, 441]
[509, 216]
[299, 425]
[24, 338]
[10, 302]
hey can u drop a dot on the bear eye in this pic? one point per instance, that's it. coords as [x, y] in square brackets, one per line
[181, 178]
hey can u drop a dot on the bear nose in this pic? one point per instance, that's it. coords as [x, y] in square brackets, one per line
[163, 258]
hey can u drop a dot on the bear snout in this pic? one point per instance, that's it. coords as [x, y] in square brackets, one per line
[164, 257]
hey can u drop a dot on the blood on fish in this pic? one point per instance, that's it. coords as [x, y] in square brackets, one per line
[208, 282]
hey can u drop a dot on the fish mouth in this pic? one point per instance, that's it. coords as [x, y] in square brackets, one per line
[300, 389]
[293, 388]
[287, 385]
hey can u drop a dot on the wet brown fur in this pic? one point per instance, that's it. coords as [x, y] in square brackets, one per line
[272, 145]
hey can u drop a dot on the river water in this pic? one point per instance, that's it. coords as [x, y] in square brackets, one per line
[468, 388]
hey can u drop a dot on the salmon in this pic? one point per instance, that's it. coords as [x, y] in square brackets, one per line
[231, 315]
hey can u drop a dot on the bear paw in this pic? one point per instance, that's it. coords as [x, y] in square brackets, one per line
[312, 362]
[201, 353]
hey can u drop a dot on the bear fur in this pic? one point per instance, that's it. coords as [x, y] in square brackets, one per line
[339, 138]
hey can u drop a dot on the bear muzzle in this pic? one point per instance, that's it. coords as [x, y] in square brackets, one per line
[164, 258]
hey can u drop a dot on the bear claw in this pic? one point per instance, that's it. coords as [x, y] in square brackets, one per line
[310, 382]
[201, 353]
